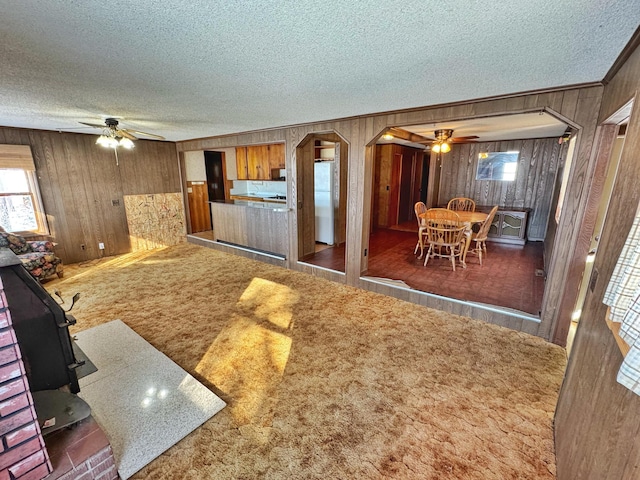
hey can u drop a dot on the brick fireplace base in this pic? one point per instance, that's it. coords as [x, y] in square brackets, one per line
[81, 453]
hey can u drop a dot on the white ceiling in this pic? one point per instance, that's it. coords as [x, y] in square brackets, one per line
[194, 69]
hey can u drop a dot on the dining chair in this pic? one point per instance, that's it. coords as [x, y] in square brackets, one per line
[480, 238]
[446, 240]
[420, 208]
[462, 203]
[442, 214]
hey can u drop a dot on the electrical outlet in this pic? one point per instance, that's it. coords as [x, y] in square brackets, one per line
[101, 246]
[82, 247]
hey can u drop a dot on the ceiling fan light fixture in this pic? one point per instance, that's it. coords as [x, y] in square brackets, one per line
[126, 143]
[103, 140]
[112, 142]
[436, 148]
[445, 147]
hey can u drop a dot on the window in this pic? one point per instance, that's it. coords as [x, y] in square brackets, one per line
[497, 166]
[20, 205]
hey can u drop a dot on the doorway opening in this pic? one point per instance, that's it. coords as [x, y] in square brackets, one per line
[611, 144]
[322, 165]
[215, 175]
[512, 274]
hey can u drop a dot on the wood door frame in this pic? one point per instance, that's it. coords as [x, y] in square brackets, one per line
[304, 181]
[602, 151]
[182, 167]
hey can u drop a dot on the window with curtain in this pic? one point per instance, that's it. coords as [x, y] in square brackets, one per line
[20, 203]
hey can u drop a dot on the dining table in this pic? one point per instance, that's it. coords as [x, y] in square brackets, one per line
[469, 218]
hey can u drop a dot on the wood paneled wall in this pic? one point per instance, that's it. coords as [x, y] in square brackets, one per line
[83, 190]
[578, 107]
[533, 187]
[596, 426]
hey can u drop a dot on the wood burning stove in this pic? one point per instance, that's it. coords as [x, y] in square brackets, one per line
[41, 328]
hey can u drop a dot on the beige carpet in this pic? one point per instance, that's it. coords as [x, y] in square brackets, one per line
[324, 380]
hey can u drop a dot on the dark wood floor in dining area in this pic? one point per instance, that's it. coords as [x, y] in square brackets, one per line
[507, 277]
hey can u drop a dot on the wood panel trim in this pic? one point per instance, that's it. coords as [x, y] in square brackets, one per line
[605, 138]
[628, 50]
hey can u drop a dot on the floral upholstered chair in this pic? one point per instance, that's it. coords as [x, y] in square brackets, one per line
[36, 256]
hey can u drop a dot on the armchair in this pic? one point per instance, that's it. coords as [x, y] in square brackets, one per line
[37, 257]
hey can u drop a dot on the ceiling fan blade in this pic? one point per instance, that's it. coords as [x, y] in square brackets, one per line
[126, 134]
[469, 137]
[144, 134]
[94, 125]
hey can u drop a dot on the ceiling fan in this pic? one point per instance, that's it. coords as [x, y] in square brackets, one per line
[444, 139]
[111, 129]
[114, 136]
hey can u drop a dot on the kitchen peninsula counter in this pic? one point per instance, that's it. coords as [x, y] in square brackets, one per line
[278, 206]
[262, 226]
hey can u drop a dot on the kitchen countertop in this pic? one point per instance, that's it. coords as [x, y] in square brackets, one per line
[274, 196]
[276, 207]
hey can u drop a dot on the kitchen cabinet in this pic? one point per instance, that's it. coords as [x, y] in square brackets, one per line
[276, 156]
[258, 162]
[509, 226]
[255, 162]
[241, 163]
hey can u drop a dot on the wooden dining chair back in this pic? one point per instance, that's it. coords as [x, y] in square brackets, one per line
[442, 214]
[446, 239]
[419, 208]
[462, 203]
[480, 246]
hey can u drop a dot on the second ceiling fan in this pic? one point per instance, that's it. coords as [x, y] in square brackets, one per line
[444, 139]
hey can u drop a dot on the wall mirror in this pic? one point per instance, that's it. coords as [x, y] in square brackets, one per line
[497, 166]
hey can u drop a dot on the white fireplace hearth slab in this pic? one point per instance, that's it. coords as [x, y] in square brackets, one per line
[144, 402]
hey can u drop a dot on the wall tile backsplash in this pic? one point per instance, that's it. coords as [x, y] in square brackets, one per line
[256, 186]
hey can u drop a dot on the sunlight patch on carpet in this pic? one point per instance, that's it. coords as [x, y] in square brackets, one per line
[144, 402]
[269, 301]
[247, 361]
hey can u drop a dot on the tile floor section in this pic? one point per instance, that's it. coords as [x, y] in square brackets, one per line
[144, 401]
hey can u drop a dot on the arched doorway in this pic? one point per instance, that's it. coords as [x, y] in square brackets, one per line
[321, 165]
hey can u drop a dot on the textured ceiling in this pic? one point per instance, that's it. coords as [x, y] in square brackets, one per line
[194, 69]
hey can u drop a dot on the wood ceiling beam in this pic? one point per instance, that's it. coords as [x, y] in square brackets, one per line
[408, 136]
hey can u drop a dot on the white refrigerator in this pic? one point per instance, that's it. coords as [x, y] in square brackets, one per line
[323, 189]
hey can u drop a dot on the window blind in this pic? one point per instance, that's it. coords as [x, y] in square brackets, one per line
[16, 156]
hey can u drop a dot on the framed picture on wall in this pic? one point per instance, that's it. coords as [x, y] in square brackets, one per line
[500, 166]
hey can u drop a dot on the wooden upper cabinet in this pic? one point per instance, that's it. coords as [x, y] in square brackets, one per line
[276, 156]
[241, 163]
[256, 162]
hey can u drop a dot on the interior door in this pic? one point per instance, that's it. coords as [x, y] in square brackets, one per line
[199, 212]
[215, 175]
[405, 207]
